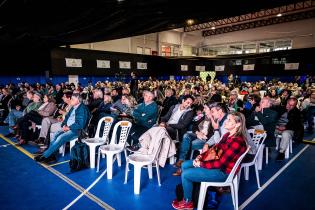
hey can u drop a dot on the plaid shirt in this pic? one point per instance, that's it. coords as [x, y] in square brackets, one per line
[232, 147]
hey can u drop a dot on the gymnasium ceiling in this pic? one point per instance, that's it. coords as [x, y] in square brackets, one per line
[43, 24]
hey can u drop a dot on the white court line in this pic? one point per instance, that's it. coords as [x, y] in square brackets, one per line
[61, 176]
[5, 145]
[85, 191]
[253, 196]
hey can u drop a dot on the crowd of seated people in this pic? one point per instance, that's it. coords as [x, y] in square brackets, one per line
[196, 113]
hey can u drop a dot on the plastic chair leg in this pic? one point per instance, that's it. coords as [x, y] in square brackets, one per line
[267, 155]
[150, 171]
[287, 152]
[235, 193]
[260, 157]
[202, 196]
[126, 172]
[257, 176]
[98, 160]
[137, 179]
[119, 159]
[109, 163]
[72, 143]
[92, 156]
[62, 150]
[158, 172]
[246, 172]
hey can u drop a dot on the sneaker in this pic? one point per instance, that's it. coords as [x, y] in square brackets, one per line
[9, 135]
[39, 152]
[40, 158]
[50, 159]
[187, 205]
[21, 142]
[280, 156]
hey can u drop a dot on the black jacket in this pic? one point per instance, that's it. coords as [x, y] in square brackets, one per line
[268, 118]
[183, 121]
[167, 103]
[295, 123]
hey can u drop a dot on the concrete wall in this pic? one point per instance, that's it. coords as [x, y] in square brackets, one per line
[301, 32]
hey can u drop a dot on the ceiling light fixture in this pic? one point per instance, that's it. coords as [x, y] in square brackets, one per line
[190, 22]
[279, 15]
[212, 27]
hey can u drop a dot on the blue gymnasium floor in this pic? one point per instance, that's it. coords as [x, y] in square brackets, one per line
[25, 184]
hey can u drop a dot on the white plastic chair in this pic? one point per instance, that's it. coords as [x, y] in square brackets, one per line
[62, 149]
[139, 160]
[258, 137]
[96, 141]
[231, 181]
[288, 150]
[114, 148]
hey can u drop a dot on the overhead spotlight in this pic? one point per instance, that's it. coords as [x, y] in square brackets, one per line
[190, 22]
[212, 27]
[279, 15]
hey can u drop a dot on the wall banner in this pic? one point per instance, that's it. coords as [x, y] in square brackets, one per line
[219, 68]
[103, 64]
[249, 67]
[73, 62]
[124, 64]
[142, 65]
[291, 66]
[200, 68]
[184, 67]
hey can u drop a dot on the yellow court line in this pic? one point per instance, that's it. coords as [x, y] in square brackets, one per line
[25, 152]
[55, 164]
[61, 176]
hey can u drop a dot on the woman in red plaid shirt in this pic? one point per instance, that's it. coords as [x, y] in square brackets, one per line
[214, 164]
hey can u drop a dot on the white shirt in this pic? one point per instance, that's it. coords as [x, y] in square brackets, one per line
[176, 116]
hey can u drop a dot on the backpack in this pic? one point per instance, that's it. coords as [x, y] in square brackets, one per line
[79, 156]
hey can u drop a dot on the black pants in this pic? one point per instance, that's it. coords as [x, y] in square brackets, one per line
[135, 132]
[25, 122]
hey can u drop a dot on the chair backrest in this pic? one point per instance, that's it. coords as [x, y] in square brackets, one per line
[124, 132]
[108, 121]
[235, 167]
[258, 137]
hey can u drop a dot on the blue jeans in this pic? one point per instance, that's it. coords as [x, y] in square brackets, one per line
[12, 118]
[190, 174]
[197, 144]
[186, 144]
[58, 140]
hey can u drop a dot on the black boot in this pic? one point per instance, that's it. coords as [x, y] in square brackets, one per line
[280, 156]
